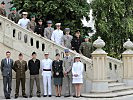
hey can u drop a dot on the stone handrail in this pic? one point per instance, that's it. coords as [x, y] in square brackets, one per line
[25, 41]
[114, 69]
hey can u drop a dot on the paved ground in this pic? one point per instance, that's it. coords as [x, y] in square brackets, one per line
[130, 97]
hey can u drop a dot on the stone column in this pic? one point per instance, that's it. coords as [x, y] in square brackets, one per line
[127, 58]
[99, 57]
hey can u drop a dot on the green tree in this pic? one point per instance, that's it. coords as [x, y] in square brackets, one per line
[114, 23]
[68, 12]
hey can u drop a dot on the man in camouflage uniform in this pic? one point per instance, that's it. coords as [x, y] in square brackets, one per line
[32, 24]
[86, 47]
[14, 16]
[20, 67]
[2, 9]
[49, 30]
[67, 38]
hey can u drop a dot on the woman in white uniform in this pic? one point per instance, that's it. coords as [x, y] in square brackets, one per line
[77, 72]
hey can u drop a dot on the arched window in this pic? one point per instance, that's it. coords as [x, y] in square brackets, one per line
[43, 47]
[37, 44]
[31, 41]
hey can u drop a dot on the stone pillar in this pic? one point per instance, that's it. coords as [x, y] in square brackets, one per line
[127, 58]
[99, 56]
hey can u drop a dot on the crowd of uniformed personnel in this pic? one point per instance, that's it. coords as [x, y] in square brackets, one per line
[65, 68]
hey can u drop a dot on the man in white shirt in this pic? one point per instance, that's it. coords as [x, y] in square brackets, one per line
[46, 65]
[23, 22]
[57, 34]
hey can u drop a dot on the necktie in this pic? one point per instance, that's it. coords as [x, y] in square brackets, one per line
[8, 61]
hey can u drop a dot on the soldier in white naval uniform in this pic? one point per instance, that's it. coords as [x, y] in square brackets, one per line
[46, 65]
[57, 34]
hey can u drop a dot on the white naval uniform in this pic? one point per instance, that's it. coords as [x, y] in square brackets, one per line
[23, 22]
[57, 36]
[46, 64]
[77, 68]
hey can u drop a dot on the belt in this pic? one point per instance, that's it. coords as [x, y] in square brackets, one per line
[46, 69]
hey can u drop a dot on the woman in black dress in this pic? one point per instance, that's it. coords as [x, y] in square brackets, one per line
[58, 74]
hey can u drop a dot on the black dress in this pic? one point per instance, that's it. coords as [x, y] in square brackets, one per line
[57, 68]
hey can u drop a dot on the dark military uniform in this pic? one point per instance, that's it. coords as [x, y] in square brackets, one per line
[86, 49]
[2, 12]
[76, 42]
[20, 67]
[14, 17]
[39, 29]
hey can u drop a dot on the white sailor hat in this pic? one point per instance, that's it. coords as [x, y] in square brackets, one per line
[25, 13]
[46, 53]
[77, 56]
[58, 24]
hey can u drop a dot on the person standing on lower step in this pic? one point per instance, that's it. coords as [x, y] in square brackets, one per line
[58, 74]
[34, 67]
[6, 69]
[46, 65]
[20, 67]
[67, 69]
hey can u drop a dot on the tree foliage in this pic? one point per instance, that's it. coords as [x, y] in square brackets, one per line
[68, 12]
[114, 23]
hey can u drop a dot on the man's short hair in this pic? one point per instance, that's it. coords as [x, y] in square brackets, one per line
[33, 53]
[20, 54]
[8, 52]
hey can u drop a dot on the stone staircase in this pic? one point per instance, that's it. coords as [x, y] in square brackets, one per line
[16, 39]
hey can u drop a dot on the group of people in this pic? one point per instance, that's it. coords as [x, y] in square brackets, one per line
[68, 70]
[77, 42]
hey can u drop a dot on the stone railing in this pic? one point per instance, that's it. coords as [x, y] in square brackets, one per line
[26, 42]
[114, 69]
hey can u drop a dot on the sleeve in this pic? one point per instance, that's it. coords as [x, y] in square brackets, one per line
[42, 65]
[70, 68]
[26, 67]
[62, 41]
[39, 65]
[35, 29]
[19, 22]
[52, 37]
[45, 33]
[53, 69]
[15, 66]
[80, 48]
[2, 65]
[73, 71]
[72, 43]
[9, 17]
[81, 69]
[63, 65]
[28, 26]
[29, 65]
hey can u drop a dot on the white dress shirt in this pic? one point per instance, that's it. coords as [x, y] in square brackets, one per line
[77, 68]
[23, 22]
[46, 64]
[57, 36]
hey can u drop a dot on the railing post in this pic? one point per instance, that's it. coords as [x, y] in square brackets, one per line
[99, 57]
[127, 58]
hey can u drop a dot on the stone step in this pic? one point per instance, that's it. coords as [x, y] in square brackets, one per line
[112, 81]
[108, 95]
[114, 85]
[121, 89]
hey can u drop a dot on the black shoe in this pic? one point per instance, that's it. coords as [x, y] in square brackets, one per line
[44, 95]
[25, 96]
[30, 96]
[8, 98]
[38, 96]
[74, 95]
[50, 95]
[16, 96]
[67, 96]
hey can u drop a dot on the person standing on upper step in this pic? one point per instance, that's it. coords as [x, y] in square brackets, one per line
[6, 69]
[67, 70]
[49, 30]
[34, 67]
[2, 9]
[57, 34]
[20, 67]
[32, 24]
[67, 38]
[14, 16]
[39, 29]
[23, 22]
[86, 47]
[76, 41]
[46, 65]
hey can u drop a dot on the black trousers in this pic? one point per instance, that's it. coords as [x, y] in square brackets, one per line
[7, 83]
